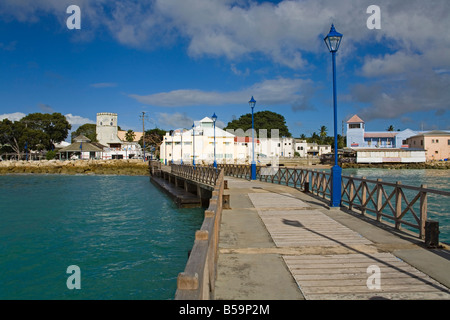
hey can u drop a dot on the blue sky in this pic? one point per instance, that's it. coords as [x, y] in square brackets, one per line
[182, 60]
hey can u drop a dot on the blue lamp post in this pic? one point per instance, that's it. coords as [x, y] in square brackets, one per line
[181, 152]
[333, 40]
[252, 103]
[193, 145]
[214, 118]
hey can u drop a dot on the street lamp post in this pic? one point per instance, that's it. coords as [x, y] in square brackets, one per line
[181, 152]
[333, 40]
[193, 145]
[214, 118]
[171, 133]
[252, 103]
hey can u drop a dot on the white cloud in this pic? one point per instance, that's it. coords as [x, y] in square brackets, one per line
[295, 92]
[77, 120]
[175, 120]
[16, 116]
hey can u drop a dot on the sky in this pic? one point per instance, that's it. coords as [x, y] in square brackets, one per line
[182, 60]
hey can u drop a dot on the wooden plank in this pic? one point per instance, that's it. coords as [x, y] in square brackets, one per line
[344, 276]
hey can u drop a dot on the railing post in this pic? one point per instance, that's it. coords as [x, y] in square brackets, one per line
[398, 204]
[423, 210]
[363, 195]
[351, 192]
[379, 199]
[306, 186]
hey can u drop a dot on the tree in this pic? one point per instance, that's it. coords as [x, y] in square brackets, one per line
[390, 128]
[153, 139]
[129, 135]
[89, 130]
[37, 131]
[13, 135]
[323, 133]
[51, 129]
[263, 120]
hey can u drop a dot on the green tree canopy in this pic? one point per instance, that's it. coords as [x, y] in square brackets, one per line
[263, 120]
[129, 135]
[88, 130]
[37, 131]
[51, 128]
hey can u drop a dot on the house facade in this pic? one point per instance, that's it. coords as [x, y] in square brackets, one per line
[358, 137]
[108, 135]
[435, 143]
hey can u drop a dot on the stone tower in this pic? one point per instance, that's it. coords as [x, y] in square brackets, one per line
[107, 129]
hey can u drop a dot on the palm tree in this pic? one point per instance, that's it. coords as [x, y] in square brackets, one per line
[390, 128]
[129, 136]
[323, 133]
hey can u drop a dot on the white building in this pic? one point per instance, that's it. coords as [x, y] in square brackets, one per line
[107, 135]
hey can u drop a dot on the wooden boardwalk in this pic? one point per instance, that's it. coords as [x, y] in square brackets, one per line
[325, 258]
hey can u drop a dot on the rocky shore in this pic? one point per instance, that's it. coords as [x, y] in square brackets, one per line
[422, 165]
[119, 167]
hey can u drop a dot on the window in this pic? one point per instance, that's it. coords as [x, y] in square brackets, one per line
[437, 140]
[448, 141]
[354, 126]
[421, 142]
[432, 140]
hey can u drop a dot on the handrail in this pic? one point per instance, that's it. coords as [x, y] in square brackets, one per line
[203, 174]
[403, 204]
[197, 282]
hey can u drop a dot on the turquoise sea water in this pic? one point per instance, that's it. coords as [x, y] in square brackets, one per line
[438, 206]
[128, 239]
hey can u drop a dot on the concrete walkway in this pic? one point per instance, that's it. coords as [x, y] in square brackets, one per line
[277, 243]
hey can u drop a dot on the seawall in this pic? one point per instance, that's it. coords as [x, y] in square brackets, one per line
[119, 167]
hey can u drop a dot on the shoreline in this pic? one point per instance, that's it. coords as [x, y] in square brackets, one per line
[72, 167]
[438, 165]
[139, 167]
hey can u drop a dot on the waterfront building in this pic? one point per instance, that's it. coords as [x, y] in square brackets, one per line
[358, 137]
[232, 146]
[81, 148]
[108, 135]
[435, 143]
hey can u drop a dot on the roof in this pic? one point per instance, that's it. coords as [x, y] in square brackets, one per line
[81, 138]
[354, 119]
[85, 147]
[432, 133]
[389, 134]
[122, 133]
[244, 139]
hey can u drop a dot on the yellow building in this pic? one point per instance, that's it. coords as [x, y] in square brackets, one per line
[435, 143]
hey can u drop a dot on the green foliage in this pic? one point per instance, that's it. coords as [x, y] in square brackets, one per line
[263, 120]
[50, 155]
[129, 135]
[88, 130]
[40, 131]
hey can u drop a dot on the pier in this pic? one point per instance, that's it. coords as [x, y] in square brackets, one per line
[277, 238]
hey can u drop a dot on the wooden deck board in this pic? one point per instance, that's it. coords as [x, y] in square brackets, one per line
[337, 276]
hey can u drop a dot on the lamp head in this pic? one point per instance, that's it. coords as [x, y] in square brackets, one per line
[333, 39]
[252, 102]
[214, 117]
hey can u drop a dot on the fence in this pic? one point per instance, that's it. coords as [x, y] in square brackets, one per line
[402, 204]
[203, 174]
[197, 282]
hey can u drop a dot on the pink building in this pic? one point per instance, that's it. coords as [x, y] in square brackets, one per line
[435, 143]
